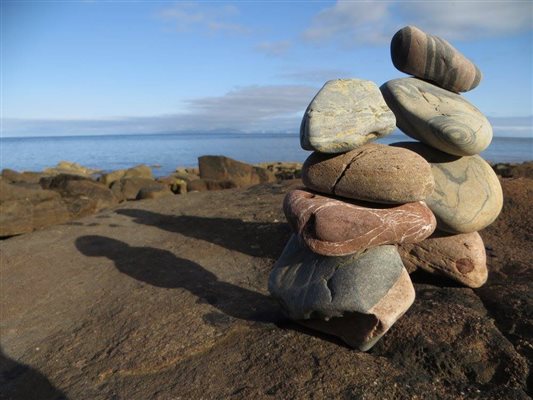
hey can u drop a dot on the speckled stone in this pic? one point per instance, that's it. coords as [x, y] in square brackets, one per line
[437, 117]
[459, 257]
[333, 227]
[373, 172]
[355, 297]
[467, 196]
[345, 114]
[432, 58]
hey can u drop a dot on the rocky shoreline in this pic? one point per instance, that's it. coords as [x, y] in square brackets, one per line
[31, 200]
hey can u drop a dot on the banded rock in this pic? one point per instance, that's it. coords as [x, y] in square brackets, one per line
[332, 227]
[355, 297]
[373, 172]
[467, 196]
[432, 58]
[345, 114]
[437, 117]
[459, 257]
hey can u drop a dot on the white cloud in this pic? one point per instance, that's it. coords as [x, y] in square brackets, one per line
[276, 108]
[211, 18]
[274, 49]
[374, 22]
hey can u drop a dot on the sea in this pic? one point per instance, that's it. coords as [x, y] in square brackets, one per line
[165, 152]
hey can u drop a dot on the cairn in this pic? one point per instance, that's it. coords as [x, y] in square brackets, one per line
[370, 210]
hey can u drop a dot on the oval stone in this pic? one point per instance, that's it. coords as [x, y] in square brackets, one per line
[467, 196]
[333, 227]
[434, 59]
[373, 172]
[459, 257]
[437, 117]
[345, 114]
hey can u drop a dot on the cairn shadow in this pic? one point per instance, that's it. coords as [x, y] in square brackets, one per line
[163, 269]
[21, 382]
[253, 238]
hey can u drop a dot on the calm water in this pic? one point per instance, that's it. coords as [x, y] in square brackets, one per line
[169, 151]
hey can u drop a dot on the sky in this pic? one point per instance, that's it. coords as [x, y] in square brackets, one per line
[118, 67]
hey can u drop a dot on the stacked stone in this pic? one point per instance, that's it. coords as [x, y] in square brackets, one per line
[452, 132]
[370, 210]
[341, 272]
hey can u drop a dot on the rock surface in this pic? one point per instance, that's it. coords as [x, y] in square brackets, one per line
[437, 117]
[460, 257]
[220, 168]
[319, 290]
[129, 188]
[332, 227]
[467, 195]
[70, 168]
[164, 299]
[345, 114]
[374, 172]
[432, 58]
[139, 171]
[202, 185]
[22, 177]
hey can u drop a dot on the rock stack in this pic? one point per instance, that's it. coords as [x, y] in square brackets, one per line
[369, 210]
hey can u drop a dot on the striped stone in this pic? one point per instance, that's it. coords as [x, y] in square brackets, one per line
[432, 58]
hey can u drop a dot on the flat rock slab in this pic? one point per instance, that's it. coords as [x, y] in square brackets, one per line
[333, 227]
[357, 298]
[434, 59]
[467, 196]
[437, 117]
[460, 257]
[161, 299]
[345, 114]
[374, 172]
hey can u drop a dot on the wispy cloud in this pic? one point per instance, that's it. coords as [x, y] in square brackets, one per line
[274, 49]
[212, 18]
[277, 108]
[353, 23]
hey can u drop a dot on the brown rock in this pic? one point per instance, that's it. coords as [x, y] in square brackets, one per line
[128, 188]
[202, 185]
[434, 59]
[460, 257]
[71, 168]
[333, 227]
[154, 192]
[21, 177]
[140, 171]
[373, 172]
[175, 184]
[220, 168]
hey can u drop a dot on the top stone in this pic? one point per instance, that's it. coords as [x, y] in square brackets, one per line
[345, 114]
[434, 59]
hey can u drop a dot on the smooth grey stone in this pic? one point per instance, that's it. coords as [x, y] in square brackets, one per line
[309, 285]
[345, 114]
[437, 117]
[467, 197]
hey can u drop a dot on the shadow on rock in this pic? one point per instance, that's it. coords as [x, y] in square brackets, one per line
[163, 269]
[21, 382]
[253, 238]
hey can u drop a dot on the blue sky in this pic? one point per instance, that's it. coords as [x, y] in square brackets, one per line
[104, 67]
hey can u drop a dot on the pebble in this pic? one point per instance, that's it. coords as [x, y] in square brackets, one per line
[437, 117]
[467, 196]
[373, 172]
[333, 227]
[345, 114]
[432, 58]
[459, 257]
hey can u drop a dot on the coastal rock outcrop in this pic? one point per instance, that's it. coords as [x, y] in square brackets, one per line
[220, 168]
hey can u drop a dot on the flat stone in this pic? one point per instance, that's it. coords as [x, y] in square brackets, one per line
[220, 168]
[467, 196]
[373, 172]
[333, 227]
[313, 287]
[432, 58]
[459, 257]
[437, 117]
[345, 114]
